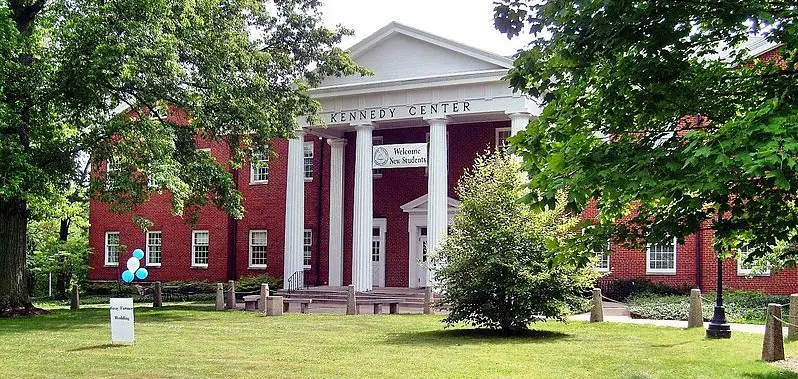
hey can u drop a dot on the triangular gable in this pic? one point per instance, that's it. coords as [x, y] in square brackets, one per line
[419, 205]
[398, 52]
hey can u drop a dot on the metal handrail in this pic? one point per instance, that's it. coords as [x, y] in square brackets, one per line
[295, 282]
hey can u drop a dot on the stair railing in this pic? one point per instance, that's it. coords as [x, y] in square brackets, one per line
[295, 282]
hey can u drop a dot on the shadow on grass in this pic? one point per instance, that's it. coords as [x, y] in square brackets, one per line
[97, 347]
[773, 375]
[454, 337]
[60, 319]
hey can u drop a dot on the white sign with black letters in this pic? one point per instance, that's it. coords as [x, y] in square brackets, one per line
[400, 156]
[122, 320]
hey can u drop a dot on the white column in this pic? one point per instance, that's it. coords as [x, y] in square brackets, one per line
[518, 122]
[363, 216]
[437, 188]
[336, 250]
[294, 209]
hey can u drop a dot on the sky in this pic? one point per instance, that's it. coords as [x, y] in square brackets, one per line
[466, 21]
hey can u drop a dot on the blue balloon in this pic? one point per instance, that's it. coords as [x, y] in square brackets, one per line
[127, 276]
[138, 254]
[142, 273]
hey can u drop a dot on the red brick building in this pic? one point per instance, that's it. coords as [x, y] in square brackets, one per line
[322, 214]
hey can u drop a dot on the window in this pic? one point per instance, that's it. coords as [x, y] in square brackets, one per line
[750, 268]
[153, 248]
[257, 248]
[307, 247]
[603, 263]
[502, 134]
[112, 248]
[661, 258]
[151, 178]
[112, 168]
[376, 244]
[199, 248]
[308, 161]
[376, 172]
[156, 114]
[259, 170]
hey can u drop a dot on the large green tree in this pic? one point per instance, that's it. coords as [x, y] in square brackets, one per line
[655, 111]
[232, 71]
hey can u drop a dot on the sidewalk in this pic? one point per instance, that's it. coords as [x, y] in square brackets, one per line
[744, 328]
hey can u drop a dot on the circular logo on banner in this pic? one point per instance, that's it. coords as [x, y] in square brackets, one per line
[381, 156]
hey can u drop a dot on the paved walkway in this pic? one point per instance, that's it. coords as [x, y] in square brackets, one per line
[745, 328]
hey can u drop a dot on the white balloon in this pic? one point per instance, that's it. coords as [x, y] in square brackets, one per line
[133, 264]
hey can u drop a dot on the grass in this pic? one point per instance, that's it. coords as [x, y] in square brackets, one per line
[194, 342]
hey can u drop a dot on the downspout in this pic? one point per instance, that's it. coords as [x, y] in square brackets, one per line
[318, 210]
[231, 239]
[699, 254]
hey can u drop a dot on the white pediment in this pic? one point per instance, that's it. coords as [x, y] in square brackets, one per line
[419, 205]
[398, 52]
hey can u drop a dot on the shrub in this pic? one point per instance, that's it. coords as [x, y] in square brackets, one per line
[740, 306]
[252, 283]
[623, 289]
[495, 267]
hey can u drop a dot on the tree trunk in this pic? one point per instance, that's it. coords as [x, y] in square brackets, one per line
[62, 284]
[14, 297]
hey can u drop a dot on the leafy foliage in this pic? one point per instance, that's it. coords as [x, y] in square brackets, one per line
[654, 113]
[623, 289]
[741, 306]
[496, 266]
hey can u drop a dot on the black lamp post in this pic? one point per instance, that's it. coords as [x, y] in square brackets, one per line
[718, 327]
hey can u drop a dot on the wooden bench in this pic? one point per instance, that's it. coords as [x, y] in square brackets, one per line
[303, 304]
[393, 305]
[251, 302]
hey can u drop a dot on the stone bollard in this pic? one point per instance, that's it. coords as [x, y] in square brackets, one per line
[597, 311]
[792, 332]
[274, 305]
[219, 296]
[231, 294]
[74, 303]
[428, 302]
[157, 298]
[351, 300]
[695, 318]
[773, 345]
[264, 293]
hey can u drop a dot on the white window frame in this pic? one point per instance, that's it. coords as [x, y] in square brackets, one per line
[376, 173]
[499, 141]
[194, 248]
[266, 246]
[118, 255]
[660, 271]
[264, 158]
[307, 246]
[111, 165]
[148, 250]
[307, 147]
[602, 255]
[742, 271]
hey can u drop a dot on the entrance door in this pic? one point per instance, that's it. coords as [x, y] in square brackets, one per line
[421, 257]
[378, 252]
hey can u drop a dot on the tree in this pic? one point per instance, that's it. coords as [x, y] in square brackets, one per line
[233, 71]
[496, 265]
[655, 114]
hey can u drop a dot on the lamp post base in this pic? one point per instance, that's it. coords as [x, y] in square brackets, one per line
[718, 327]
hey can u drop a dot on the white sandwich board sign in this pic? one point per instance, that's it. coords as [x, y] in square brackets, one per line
[122, 320]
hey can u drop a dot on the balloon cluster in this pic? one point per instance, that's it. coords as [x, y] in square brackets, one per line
[134, 269]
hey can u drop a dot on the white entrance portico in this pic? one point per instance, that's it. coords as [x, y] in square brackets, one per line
[420, 81]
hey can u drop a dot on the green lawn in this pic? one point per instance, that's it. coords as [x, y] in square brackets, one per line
[190, 342]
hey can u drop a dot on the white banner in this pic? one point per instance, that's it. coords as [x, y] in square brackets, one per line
[399, 156]
[122, 320]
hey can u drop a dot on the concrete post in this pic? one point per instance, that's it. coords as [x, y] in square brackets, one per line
[792, 332]
[351, 300]
[274, 305]
[157, 297]
[773, 344]
[231, 294]
[74, 303]
[219, 296]
[264, 293]
[695, 318]
[597, 311]
[428, 302]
